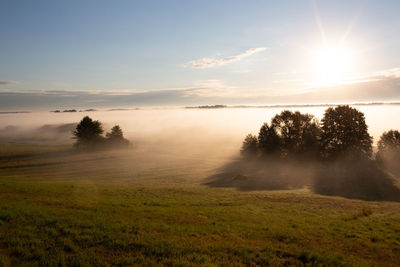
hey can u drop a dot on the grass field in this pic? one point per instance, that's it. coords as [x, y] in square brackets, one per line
[62, 208]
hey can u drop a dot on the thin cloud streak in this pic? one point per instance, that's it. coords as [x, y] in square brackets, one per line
[5, 82]
[206, 62]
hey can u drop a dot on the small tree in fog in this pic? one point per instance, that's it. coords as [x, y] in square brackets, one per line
[298, 133]
[268, 140]
[88, 132]
[249, 146]
[345, 134]
[116, 136]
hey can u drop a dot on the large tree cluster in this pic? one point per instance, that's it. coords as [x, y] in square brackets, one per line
[342, 133]
[337, 150]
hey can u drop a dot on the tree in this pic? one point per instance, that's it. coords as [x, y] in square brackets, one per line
[389, 141]
[116, 136]
[389, 151]
[88, 133]
[249, 146]
[298, 133]
[345, 134]
[268, 140]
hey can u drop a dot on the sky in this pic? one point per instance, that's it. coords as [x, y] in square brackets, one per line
[179, 53]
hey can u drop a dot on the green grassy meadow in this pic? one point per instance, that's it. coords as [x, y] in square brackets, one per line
[123, 208]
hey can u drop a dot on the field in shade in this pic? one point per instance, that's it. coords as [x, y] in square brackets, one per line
[149, 205]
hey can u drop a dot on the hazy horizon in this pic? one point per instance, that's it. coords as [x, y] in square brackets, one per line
[213, 127]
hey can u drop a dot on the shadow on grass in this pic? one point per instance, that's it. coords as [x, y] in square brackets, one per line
[263, 174]
[357, 179]
[360, 180]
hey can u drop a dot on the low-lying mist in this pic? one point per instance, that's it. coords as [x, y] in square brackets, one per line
[195, 134]
[188, 131]
[226, 126]
[46, 134]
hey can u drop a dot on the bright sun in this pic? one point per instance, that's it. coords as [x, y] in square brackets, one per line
[331, 66]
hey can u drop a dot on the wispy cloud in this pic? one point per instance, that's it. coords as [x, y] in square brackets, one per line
[206, 62]
[394, 72]
[95, 101]
[209, 88]
[5, 82]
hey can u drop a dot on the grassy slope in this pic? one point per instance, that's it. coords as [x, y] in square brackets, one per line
[134, 208]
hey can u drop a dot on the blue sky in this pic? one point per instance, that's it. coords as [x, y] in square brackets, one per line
[194, 51]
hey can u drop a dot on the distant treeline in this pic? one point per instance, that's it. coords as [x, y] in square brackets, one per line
[292, 105]
[90, 110]
[208, 106]
[73, 110]
[13, 112]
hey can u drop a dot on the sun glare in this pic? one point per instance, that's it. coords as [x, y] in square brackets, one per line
[331, 66]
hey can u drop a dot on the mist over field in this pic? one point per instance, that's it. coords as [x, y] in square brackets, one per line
[212, 137]
[214, 130]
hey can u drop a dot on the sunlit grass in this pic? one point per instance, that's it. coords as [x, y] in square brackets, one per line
[128, 208]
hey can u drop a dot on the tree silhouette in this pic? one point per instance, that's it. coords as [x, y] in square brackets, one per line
[388, 155]
[88, 133]
[249, 146]
[268, 140]
[345, 134]
[298, 133]
[116, 136]
[389, 141]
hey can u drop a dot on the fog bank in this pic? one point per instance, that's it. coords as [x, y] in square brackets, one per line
[227, 126]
